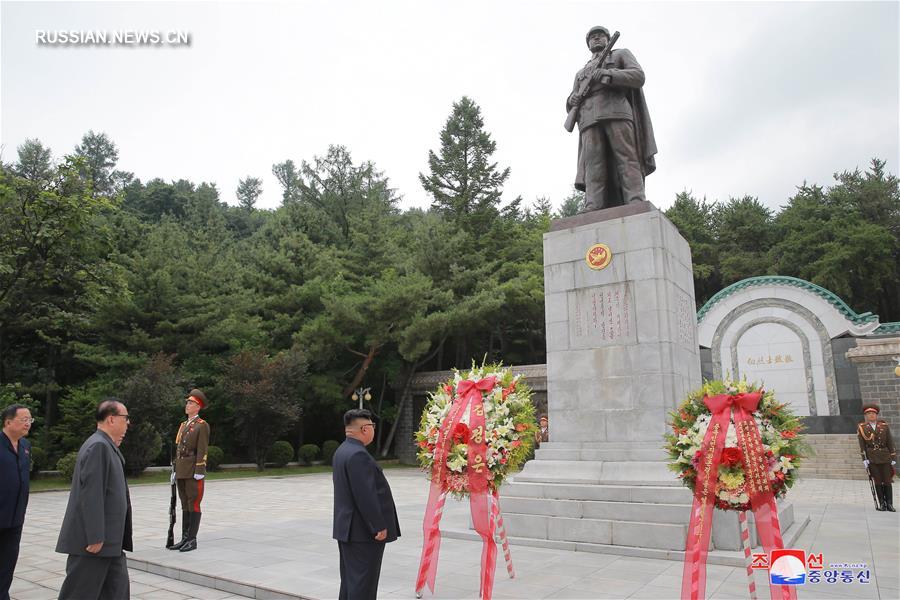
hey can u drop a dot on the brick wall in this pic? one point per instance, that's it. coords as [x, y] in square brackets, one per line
[875, 362]
[879, 384]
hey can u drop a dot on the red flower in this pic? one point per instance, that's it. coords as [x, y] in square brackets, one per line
[423, 444]
[449, 389]
[521, 427]
[461, 434]
[732, 456]
[516, 443]
[779, 476]
[788, 435]
[503, 461]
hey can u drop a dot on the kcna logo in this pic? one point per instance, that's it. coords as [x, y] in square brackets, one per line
[787, 566]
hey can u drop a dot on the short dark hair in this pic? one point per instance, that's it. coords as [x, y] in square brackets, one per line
[357, 413]
[108, 408]
[9, 413]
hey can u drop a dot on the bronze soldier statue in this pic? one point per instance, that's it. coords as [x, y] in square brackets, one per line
[616, 147]
[878, 454]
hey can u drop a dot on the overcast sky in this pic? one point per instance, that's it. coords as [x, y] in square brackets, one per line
[745, 98]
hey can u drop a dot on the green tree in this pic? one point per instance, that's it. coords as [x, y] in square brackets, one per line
[744, 230]
[152, 395]
[287, 175]
[340, 190]
[694, 220]
[55, 269]
[248, 191]
[99, 157]
[265, 396]
[572, 204]
[844, 238]
[35, 163]
[462, 181]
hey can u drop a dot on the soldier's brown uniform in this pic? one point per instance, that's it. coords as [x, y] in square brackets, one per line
[191, 444]
[189, 470]
[877, 446]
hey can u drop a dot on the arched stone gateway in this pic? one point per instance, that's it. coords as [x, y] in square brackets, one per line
[792, 336]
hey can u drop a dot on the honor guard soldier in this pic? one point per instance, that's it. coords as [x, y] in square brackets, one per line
[190, 468]
[878, 454]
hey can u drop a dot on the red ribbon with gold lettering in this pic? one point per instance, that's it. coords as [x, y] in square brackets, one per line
[469, 397]
[756, 476]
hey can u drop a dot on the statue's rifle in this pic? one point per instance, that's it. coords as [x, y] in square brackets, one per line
[585, 84]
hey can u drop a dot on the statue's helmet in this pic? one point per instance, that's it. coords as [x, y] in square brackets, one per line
[595, 29]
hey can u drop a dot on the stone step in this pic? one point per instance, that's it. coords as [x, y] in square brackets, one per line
[601, 493]
[598, 472]
[662, 536]
[601, 510]
[834, 457]
[606, 454]
[715, 557]
[834, 475]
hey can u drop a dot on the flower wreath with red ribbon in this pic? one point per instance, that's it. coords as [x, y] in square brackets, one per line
[459, 453]
[736, 448]
[775, 458]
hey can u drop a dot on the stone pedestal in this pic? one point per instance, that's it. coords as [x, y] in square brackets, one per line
[622, 353]
[621, 341]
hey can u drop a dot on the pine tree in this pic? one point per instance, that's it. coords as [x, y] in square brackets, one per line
[465, 185]
[248, 190]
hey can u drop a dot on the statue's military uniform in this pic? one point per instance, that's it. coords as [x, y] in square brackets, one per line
[877, 447]
[616, 143]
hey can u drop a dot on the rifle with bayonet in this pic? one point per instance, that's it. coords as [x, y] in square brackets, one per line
[170, 538]
[585, 85]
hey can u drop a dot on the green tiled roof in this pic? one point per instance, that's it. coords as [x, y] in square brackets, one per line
[887, 328]
[828, 296]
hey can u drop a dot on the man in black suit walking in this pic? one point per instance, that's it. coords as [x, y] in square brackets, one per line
[97, 525]
[365, 517]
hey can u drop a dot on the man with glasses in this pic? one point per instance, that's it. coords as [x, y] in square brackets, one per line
[15, 462]
[97, 526]
[365, 518]
[191, 445]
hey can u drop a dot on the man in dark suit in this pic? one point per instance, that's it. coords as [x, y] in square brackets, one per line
[97, 525]
[15, 462]
[365, 517]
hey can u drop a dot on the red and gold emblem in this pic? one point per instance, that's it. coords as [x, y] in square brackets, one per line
[598, 256]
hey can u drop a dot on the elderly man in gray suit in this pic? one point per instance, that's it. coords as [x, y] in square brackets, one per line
[97, 525]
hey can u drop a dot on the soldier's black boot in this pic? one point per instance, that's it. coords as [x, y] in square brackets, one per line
[888, 497]
[191, 543]
[185, 528]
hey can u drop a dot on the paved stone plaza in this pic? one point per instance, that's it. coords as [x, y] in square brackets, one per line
[271, 538]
